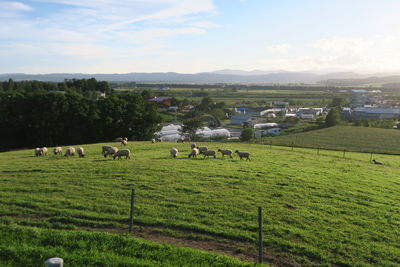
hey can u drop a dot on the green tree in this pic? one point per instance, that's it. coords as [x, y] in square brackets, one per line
[190, 126]
[247, 134]
[333, 117]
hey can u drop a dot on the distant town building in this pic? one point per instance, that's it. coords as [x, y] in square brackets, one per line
[162, 102]
[240, 119]
[373, 113]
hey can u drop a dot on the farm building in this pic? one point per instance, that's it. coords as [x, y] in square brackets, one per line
[375, 113]
[162, 102]
[240, 119]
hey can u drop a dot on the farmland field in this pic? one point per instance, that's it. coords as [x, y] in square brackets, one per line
[350, 138]
[318, 210]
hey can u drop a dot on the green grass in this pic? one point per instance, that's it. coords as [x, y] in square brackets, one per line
[29, 246]
[318, 210]
[350, 138]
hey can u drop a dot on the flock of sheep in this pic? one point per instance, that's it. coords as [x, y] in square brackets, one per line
[195, 150]
[118, 153]
[107, 150]
[58, 151]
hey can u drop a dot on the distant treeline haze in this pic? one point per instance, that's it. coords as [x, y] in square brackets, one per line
[34, 113]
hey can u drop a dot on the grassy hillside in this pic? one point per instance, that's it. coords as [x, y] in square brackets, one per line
[27, 246]
[318, 210]
[351, 138]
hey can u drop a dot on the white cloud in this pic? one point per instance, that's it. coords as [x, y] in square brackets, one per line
[14, 6]
[278, 48]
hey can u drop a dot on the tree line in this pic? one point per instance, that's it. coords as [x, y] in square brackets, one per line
[33, 114]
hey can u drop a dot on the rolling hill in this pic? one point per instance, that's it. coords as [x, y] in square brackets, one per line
[318, 210]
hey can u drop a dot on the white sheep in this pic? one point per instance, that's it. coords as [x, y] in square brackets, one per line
[202, 148]
[193, 153]
[44, 150]
[225, 152]
[174, 152]
[57, 150]
[243, 155]
[70, 152]
[110, 151]
[193, 146]
[38, 152]
[209, 153]
[124, 142]
[153, 140]
[123, 153]
[105, 148]
[80, 152]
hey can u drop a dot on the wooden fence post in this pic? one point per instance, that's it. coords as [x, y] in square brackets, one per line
[131, 212]
[260, 242]
[318, 151]
[344, 153]
[270, 144]
[370, 158]
[292, 145]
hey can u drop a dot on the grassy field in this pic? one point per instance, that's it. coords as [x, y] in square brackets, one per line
[31, 246]
[318, 210]
[350, 138]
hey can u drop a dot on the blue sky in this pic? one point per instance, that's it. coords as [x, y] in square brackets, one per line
[188, 36]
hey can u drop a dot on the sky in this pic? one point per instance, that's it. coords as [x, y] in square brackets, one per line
[190, 36]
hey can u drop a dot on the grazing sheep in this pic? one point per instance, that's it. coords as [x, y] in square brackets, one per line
[243, 155]
[119, 139]
[38, 152]
[377, 162]
[209, 153]
[105, 148]
[202, 149]
[158, 139]
[153, 140]
[57, 150]
[193, 146]
[174, 152]
[225, 152]
[80, 152]
[44, 151]
[193, 153]
[122, 153]
[110, 151]
[70, 152]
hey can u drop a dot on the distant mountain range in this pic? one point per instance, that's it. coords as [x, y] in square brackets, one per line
[220, 76]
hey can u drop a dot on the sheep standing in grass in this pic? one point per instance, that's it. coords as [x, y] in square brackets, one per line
[119, 139]
[38, 152]
[174, 152]
[122, 153]
[202, 149]
[153, 141]
[193, 153]
[209, 153]
[44, 150]
[193, 146]
[124, 142]
[110, 151]
[57, 150]
[105, 148]
[225, 152]
[80, 152]
[377, 162]
[70, 152]
[243, 155]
